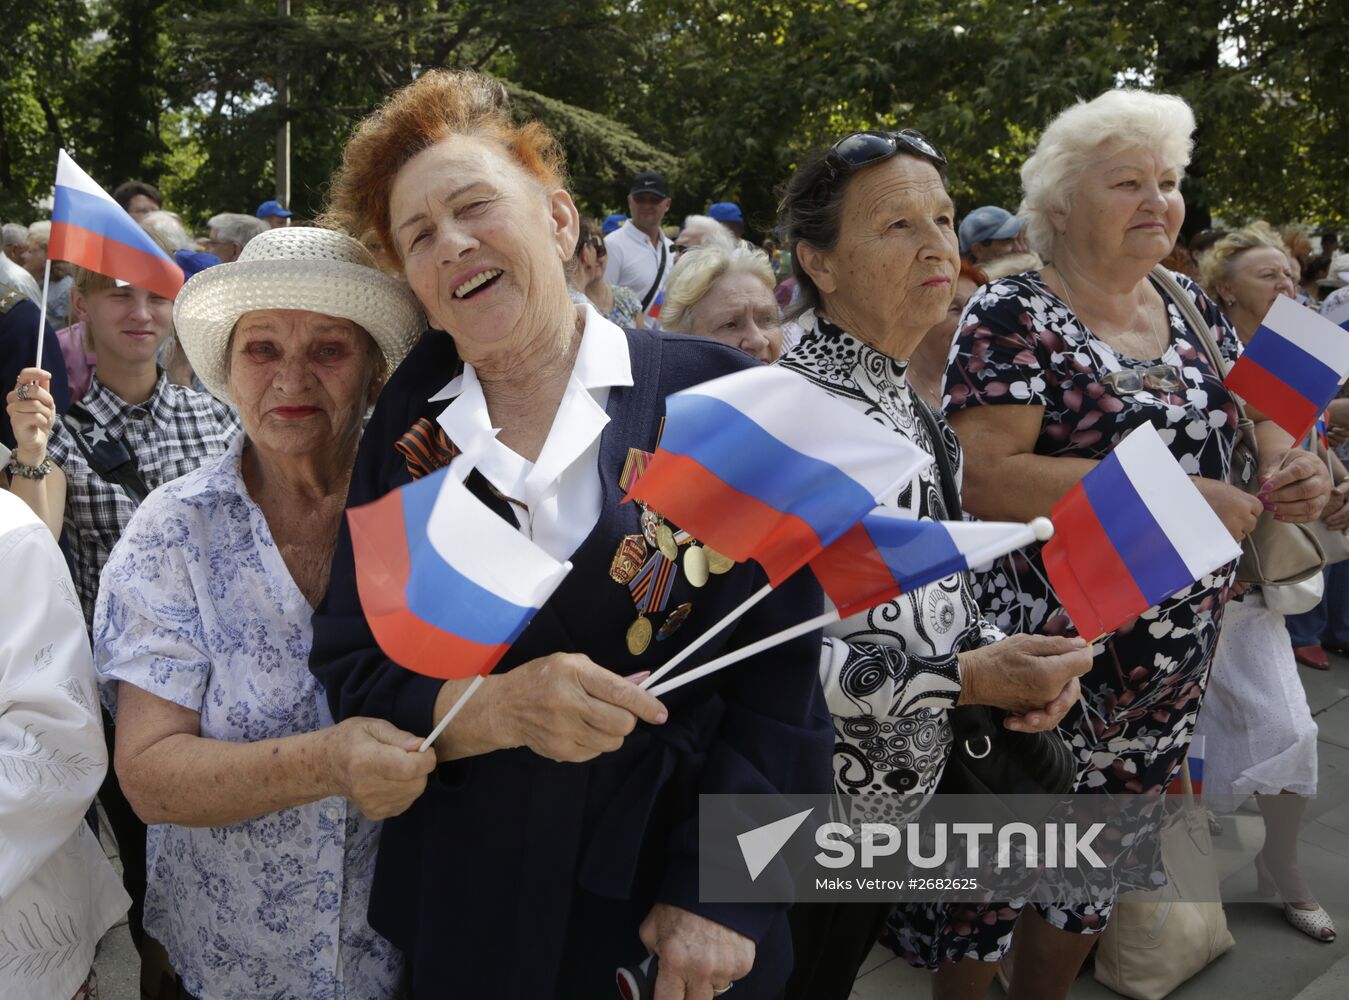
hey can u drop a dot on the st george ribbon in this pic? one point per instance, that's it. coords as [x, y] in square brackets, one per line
[445, 584]
[1133, 532]
[1293, 366]
[762, 465]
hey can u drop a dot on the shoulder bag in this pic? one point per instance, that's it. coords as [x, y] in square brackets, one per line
[655, 285]
[109, 459]
[1276, 553]
[1158, 939]
[986, 757]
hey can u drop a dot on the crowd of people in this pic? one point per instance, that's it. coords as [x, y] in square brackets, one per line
[184, 635]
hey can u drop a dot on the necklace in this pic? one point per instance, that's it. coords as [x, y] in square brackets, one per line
[1164, 341]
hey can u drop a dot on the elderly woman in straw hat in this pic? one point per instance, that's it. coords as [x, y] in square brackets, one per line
[263, 813]
[558, 839]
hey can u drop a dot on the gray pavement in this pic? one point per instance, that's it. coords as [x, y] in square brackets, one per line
[1270, 960]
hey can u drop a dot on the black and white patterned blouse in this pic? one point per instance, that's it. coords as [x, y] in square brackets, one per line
[891, 673]
[169, 435]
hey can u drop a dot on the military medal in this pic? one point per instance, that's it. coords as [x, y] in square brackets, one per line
[633, 467]
[665, 541]
[677, 618]
[639, 635]
[716, 562]
[651, 521]
[628, 559]
[696, 565]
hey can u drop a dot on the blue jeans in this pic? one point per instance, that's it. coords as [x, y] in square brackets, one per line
[1329, 620]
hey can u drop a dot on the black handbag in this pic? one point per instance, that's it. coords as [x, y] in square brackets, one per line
[986, 757]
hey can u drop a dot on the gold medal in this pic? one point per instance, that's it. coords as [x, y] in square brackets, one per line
[665, 541]
[677, 618]
[718, 563]
[639, 635]
[695, 565]
[628, 559]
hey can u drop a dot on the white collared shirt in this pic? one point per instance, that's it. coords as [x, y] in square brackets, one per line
[558, 495]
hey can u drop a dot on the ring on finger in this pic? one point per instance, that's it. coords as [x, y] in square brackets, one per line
[718, 991]
[25, 391]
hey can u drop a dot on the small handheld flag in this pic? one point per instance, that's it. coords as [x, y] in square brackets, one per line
[1293, 366]
[93, 231]
[1133, 532]
[763, 465]
[445, 583]
[888, 553]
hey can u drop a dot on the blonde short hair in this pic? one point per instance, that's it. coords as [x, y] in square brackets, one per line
[700, 268]
[1216, 263]
[1160, 123]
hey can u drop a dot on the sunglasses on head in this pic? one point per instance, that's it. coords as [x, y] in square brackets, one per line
[861, 149]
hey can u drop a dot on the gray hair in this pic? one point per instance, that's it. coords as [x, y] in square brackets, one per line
[704, 225]
[700, 268]
[169, 227]
[1125, 118]
[14, 234]
[236, 228]
[42, 231]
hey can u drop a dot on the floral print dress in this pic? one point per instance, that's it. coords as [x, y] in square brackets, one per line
[1019, 344]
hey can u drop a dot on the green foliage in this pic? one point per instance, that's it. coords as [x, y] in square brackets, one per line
[723, 95]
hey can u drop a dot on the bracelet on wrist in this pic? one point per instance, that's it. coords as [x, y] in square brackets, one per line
[39, 471]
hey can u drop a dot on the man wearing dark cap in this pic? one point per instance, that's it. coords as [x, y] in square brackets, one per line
[640, 256]
[988, 233]
[274, 215]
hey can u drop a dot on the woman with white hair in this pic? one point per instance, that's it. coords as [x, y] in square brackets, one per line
[224, 744]
[722, 289]
[1051, 369]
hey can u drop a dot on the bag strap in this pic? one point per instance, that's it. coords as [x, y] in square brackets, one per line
[110, 459]
[950, 494]
[1195, 319]
[660, 273]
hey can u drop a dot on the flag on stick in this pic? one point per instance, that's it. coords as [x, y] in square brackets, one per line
[445, 583]
[763, 465]
[93, 231]
[1133, 532]
[888, 553]
[1293, 366]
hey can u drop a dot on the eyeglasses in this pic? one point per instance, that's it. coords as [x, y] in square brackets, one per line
[681, 248]
[1158, 378]
[861, 149]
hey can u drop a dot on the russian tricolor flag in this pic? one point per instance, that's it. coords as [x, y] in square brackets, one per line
[1133, 532]
[445, 583]
[93, 231]
[1293, 366]
[763, 465]
[888, 553]
[1194, 760]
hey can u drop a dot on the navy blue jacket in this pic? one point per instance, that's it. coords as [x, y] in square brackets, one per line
[514, 876]
[18, 350]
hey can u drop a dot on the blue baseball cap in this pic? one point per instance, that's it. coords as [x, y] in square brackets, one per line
[612, 222]
[192, 261]
[726, 211]
[988, 223]
[272, 208]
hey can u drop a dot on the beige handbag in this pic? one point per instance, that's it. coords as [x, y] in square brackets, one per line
[1335, 544]
[1276, 553]
[1158, 939]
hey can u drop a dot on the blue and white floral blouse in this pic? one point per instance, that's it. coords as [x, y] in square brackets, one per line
[197, 607]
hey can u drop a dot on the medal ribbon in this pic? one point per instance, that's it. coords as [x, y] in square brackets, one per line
[652, 586]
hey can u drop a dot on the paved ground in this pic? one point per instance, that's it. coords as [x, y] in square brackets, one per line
[1270, 961]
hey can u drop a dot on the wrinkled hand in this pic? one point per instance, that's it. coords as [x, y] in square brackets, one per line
[377, 766]
[697, 956]
[1298, 490]
[31, 418]
[1031, 675]
[1051, 715]
[568, 708]
[1337, 422]
[1336, 513]
[1236, 508]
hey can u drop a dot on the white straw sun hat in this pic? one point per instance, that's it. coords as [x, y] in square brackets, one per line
[299, 267]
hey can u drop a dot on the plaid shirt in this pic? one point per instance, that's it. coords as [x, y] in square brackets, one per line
[170, 434]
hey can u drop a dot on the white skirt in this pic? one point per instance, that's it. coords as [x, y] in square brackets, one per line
[1259, 733]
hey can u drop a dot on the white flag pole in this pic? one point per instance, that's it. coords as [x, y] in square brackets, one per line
[736, 655]
[740, 609]
[454, 710]
[42, 316]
